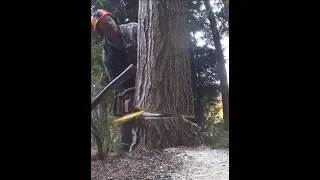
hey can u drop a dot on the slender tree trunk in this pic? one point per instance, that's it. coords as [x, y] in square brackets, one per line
[99, 142]
[198, 109]
[199, 113]
[99, 155]
[93, 140]
[220, 63]
[199, 117]
[164, 77]
[105, 131]
[100, 126]
[198, 106]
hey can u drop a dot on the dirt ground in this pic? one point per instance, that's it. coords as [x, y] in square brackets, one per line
[181, 163]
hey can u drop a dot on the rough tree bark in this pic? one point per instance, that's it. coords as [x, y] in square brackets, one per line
[164, 77]
[220, 63]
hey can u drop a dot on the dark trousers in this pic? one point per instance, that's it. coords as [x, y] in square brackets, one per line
[126, 128]
[126, 135]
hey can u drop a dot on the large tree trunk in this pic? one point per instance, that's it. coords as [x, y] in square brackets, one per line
[220, 64]
[164, 77]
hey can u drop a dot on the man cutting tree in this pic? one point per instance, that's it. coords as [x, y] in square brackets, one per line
[119, 51]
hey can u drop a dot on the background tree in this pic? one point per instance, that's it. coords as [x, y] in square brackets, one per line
[220, 62]
[203, 61]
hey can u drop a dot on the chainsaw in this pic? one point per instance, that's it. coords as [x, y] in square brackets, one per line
[146, 114]
[126, 74]
[143, 112]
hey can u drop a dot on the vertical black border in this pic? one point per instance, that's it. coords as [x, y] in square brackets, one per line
[263, 74]
[73, 86]
[247, 102]
[50, 93]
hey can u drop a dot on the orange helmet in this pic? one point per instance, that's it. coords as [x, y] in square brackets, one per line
[97, 16]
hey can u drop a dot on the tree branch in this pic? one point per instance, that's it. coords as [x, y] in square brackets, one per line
[105, 119]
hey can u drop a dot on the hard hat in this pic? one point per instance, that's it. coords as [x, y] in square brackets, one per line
[97, 16]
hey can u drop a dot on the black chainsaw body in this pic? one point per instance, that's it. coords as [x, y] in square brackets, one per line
[119, 102]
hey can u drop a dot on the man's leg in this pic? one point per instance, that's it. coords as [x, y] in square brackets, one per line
[126, 128]
[126, 136]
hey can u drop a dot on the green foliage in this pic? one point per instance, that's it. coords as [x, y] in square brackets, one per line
[100, 2]
[221, 139]
[97, 69]
[115, 142]
[204, 67]
[215, 111]
[214, 133]
[202, 58]
[97, 74]
[216, 136]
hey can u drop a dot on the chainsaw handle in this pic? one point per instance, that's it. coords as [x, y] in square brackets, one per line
[128, 90]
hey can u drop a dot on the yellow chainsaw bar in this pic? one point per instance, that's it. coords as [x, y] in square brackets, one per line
[144, 112]
[162, 114]
[126, 118]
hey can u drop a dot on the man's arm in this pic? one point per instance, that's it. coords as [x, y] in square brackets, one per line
[135, 33]
[130, 40]
[129, 32]
[108, 65]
